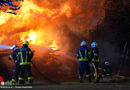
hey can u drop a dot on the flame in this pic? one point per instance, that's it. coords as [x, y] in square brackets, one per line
[66, 10]
[32, 36]
[36, 38]
[4, 19]
[53, 45]
[2, 38]
[51, 24]
[40, 21]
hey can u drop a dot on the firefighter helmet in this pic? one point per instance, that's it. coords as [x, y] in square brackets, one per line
[94, 44]
[26, 42]
[106, 63]
[83, 43]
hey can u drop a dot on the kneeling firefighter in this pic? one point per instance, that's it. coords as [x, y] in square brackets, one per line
[83, 56]
[107, 72]
[25, 56]
[14, 55]
[95, 59]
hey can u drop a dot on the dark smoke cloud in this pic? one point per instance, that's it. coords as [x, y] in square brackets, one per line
[113, 34]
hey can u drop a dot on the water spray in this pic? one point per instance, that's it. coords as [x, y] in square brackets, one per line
[60, 52]
[5, 46]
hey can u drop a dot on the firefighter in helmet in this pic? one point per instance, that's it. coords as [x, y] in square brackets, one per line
[14, 55]
[95, 59]
[83, 54]
[107, 72]
[25, 56]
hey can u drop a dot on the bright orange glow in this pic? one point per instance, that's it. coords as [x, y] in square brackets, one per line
[47, 23]
[54, 29]
[66, 10]
[53, 45]
[2, 38]
[31, 37]
[36, 38]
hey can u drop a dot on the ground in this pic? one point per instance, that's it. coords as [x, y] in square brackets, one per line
[84, 87]
[76, 86]
[113, 83]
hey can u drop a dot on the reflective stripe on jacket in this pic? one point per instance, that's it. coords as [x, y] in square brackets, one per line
[83, 53]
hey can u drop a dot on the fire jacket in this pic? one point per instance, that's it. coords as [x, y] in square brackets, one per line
[25, 55]
[14, 55]
[83, 53]
[95, 54]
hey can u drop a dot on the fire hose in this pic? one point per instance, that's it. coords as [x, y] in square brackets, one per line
[43, 75]
[95, 71]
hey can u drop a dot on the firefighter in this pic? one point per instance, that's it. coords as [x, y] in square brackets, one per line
[83, 54]
[107, 72]
[25, 56]
[14, 55]
[95, 59]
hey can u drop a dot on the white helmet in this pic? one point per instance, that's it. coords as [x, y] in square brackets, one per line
[83, 43]
[94, 44]
[106, 63]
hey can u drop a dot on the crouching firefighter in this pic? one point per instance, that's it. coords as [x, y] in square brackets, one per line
[14, 55]
[83, 56]
[107, 72]
[95, 59]
[25, 56]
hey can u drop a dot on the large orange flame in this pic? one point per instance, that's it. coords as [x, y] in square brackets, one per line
[55, 24]
[45, 22]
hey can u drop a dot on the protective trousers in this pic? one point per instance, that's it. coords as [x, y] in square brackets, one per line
[24, 68]
[84, 67]
[15, 72]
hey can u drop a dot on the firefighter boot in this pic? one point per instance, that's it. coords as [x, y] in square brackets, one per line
[81, 80]
[89, 79]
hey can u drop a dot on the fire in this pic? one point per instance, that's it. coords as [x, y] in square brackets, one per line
[66, 10]
[2, 38]
[4, 19]
[55, 24]
[53, 45]
[47, 22]
[32, 36]
[36, 38]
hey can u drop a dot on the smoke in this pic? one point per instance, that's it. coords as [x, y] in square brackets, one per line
[113, 34]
